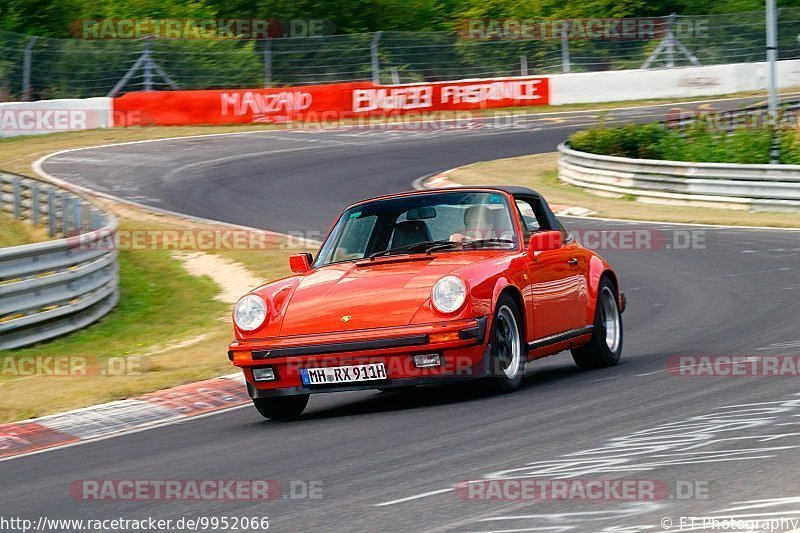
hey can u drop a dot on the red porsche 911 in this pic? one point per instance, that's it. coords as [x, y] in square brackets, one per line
[427, 286]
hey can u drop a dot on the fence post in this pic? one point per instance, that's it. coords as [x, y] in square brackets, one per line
[26, 69]
[523, 65]
[373, 48]
[395, 76]
[566, 67]
[147, 66]
[671, 42]
[772, 83]
[268, 63]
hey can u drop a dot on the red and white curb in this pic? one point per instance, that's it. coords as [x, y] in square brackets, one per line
[123, 416]
[443, 181]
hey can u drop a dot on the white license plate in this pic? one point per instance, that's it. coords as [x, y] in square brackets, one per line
[343, 374]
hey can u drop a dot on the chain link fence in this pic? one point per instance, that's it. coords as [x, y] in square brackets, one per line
[33, 68]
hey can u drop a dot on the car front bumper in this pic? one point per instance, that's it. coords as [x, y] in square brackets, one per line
[460, 344]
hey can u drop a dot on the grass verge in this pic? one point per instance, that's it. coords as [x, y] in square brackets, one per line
[15, 232]
[539, 173]
[168, 329]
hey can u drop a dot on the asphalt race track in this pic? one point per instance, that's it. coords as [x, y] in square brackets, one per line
[390, 461]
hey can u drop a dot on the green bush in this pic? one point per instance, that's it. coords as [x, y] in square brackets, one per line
[699, 143]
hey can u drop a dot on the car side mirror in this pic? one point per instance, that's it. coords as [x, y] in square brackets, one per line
[545, 240]
[300, 263]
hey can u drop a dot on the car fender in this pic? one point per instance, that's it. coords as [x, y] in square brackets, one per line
[598, 268]
[499, 286]
[277, 295]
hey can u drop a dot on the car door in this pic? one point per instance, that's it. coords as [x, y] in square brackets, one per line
[558, 277]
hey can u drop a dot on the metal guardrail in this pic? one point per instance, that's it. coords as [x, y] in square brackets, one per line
[756, 187]
[54, 287]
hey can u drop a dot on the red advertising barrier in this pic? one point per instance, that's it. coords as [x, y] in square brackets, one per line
[323, 103]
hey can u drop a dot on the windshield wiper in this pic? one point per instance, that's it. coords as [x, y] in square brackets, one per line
[483, 242]
[443, 245]
[433, 246]
[408, 248]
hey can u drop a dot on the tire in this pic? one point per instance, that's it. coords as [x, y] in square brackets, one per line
[605, 347]
[281, 407]
[507, 350]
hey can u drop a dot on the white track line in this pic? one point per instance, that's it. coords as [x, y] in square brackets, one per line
[414, 497]
[161, 423]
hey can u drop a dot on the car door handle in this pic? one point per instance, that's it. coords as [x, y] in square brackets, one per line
[573, 261]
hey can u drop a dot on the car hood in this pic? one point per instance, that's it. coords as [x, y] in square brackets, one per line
[349, 296]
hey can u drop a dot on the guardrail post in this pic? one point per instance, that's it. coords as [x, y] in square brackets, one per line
[77, 215]
[95, 220]
[51, 212]
[35, 208]
[64, 204]
[17, 198]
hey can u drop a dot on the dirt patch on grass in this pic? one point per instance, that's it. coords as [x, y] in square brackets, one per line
[232, 277]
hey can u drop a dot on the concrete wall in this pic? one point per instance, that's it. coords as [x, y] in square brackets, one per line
[53, 116]
[686, 82]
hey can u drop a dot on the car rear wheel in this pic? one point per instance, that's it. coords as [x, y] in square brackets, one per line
[281, 407]
[507, 353]
[605, 347]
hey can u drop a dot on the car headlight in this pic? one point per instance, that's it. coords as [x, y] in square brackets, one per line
[449, 294]
[250, 312]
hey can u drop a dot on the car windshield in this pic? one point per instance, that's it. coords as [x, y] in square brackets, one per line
[424, 223]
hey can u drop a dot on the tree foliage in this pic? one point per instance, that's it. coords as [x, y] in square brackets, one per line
[51, 17]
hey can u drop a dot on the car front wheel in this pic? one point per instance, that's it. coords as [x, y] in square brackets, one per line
[281, 407]
[507, 351]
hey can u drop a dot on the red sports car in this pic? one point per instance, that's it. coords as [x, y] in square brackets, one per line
[427, 286]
